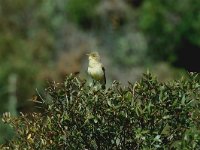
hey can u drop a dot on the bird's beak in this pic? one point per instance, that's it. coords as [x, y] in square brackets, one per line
[88, 54]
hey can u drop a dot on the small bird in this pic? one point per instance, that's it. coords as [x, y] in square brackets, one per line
[96, 69]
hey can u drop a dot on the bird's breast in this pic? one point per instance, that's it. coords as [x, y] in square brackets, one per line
[96, 72]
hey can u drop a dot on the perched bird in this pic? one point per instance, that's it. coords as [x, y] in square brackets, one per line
[96, 69]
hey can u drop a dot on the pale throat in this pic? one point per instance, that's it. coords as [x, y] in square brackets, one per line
[93, 63]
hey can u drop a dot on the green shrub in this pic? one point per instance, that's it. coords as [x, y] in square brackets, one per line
[82, 12]
[144, 115]
[167, 24]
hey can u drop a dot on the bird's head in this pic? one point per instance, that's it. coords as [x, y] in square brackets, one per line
[94, 56]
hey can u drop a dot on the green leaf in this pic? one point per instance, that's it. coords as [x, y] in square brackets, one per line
[183, 100]
[117, 141]
[166, 130]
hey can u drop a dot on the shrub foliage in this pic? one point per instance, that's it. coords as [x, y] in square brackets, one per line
[144, 115]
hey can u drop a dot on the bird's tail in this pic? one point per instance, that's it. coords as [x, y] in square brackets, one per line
[103, 83]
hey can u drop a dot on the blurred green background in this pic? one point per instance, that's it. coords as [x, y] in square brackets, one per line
[44, 40]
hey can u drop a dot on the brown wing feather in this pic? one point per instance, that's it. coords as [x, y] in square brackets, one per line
[104, 78]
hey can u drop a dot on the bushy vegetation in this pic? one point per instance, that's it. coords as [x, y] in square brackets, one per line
[25, 50]
[47, 39]
[165, 26]
[82, 13]
[145, 115]
[168, 25]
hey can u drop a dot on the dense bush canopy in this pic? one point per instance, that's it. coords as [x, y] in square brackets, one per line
[144, 115]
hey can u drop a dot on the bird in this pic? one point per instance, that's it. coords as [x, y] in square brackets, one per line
[96, 69]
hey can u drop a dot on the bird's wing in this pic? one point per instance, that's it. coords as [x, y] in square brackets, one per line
[104, 74]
